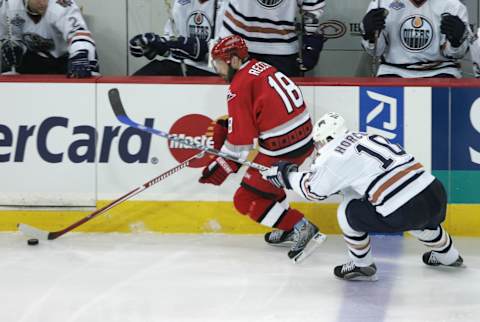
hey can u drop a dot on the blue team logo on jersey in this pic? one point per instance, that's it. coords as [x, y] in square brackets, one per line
[184, 2]
[199, 25]
[269, 4]
[17, 21]
[381, 112]
[397, 5]
[416, 33]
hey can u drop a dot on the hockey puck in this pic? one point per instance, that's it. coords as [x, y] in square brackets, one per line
[32, 242]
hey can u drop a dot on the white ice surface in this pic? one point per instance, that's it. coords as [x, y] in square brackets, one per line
[152, 277]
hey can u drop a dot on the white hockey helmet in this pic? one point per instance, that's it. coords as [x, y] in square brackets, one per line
[328, 127]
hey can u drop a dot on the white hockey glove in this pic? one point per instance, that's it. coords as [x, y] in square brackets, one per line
[278, 174]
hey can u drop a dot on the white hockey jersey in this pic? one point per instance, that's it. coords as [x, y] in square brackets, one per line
[268, 26]
[370, 166]
[411, 44]
[61, 31]
[195, 18]
[475, 53]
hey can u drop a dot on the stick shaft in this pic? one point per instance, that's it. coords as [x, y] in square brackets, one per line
[55, 234]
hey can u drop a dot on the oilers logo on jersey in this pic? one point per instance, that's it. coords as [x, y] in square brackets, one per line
[416, 33]
[269, 4]
[199, 25]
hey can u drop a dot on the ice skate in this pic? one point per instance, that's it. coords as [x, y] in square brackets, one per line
[349, 271]
[431, 258]
[280, 238]
[306, 239]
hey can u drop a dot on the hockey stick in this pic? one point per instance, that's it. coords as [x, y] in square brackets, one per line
[117, 106]
[168, 4]
[376, 59]
[300, 31]
[44, 235]
[13, 70]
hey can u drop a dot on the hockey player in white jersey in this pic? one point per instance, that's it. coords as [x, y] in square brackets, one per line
[46, 37]
[416, 38]
[192, 24]
[475, 53]
[270, 29]
[385, 189]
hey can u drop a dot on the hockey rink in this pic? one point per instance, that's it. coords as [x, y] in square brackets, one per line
[152, 277]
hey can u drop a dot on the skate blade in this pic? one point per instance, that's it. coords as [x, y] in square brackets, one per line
[362, 278]
[284, 244]
[313, 244]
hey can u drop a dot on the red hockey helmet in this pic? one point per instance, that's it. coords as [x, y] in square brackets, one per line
[228, 47]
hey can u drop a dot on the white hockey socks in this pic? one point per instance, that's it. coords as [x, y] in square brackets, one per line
[359, 249]
[440, 242]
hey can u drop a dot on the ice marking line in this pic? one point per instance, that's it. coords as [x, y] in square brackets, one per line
[354, 294]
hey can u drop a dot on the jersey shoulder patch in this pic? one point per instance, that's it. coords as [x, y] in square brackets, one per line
[65, 3]
[183, 2]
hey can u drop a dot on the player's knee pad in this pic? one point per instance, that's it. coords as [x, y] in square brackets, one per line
[429, 235]
[245, 200]
[242, 200]
[342, 219]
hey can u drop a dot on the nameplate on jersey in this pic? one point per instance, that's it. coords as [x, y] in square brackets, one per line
[258, 68]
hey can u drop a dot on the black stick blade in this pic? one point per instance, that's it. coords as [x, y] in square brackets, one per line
[116, 102]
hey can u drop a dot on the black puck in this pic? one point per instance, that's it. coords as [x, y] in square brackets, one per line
[32, 241]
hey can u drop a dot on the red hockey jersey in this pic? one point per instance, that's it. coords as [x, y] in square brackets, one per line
[263, 103]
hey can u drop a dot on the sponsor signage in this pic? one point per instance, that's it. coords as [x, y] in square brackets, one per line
[192, 127]
[382, 112]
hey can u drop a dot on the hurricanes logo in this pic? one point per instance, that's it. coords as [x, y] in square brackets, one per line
[269, 4]
[416, 33]
[199, 25]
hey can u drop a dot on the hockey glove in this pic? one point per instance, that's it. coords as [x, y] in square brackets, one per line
[218, 131]
[311, 21]
[278, 174]
[374, 20]
[79, 65]
[12, 53]
[454, 29]
[192, 48]
[148, 45]
[218, 170]
[312, 46]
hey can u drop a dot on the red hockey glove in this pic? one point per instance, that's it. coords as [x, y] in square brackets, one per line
[218, 170]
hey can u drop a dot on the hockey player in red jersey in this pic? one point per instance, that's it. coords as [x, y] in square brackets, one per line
[263, 104]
